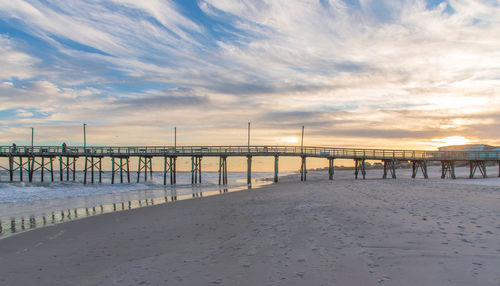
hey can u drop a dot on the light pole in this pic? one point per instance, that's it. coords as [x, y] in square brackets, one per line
[84, 139]
[175, 139]
[248, 137]
[31, 160]
[302, 141]
[32, 135]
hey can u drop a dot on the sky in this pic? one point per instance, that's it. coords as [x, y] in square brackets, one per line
[408, 74]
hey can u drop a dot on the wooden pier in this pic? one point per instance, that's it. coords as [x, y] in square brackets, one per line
[41, 159]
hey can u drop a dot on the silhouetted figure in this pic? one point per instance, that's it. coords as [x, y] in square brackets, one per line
[64, 147]
[14, 148]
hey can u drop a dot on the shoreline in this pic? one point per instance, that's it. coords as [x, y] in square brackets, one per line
[343, 232]
[23, 223]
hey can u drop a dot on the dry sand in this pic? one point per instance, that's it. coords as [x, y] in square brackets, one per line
[345, 232]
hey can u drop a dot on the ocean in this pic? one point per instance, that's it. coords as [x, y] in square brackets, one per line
[24, 205]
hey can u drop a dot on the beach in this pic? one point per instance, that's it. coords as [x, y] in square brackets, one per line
[344, 232]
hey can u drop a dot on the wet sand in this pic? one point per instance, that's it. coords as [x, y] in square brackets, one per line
[345, 232]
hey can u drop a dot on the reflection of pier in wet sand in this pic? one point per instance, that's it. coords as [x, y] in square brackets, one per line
[31, 160]
[20, 224]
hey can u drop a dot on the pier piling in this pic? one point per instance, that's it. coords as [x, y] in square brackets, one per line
[85, 171]
[169, 167]
[474, 165]
[276, 165]
[68, 166]
[195, 170]
[419, 165]
[359, 166]
[122, 166]
[144, 164]
[448, 167]
[303, 169]
[223, 170]
[389, 165]
[11, 168]
[331, 168]
[249, 170]
[113, 170]
[31, 167]
[95, 163]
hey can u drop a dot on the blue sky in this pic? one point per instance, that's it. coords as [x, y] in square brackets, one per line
[395, 74]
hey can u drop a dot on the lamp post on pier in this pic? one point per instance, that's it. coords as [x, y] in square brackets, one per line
[175, 139]
[84, 139]
[248, 137]
[32, 135]
[302, 141]
[31, 159]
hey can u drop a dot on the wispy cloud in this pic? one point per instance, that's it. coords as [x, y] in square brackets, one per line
[346, 69]
[14, 62]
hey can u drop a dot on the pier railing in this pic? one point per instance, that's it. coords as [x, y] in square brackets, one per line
[321, 152]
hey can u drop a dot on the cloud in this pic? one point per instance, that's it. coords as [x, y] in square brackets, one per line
[165, 13]
[14, 62]
[24, 113]
[356, 69]
[163, 100]
[43, 97]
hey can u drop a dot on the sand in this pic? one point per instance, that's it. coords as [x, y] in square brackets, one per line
[345, 232]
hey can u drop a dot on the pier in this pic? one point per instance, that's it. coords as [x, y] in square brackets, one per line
[40, 159]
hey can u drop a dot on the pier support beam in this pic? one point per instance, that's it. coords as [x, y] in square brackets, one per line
[223, 170]
[31, 168]
[91, 163]
[195, 170]
[276, 166]
[249, 170]
[68, 166]
[448, 167]
[391, 166]
[331, 168]
[359, 166]
[303, 169]
[42, 165]
[20, 165]
[11, 168]
[122, 165]
[146, 165]
[419, 165]
[474, 165]
[6, 169]
[169, 166]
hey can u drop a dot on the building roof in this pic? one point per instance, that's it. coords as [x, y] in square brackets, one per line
[469, 147]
